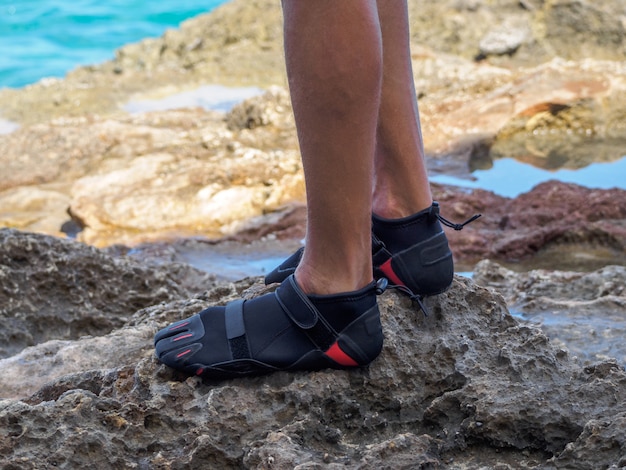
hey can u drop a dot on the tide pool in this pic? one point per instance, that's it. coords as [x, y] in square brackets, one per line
[48, 38]
[510, 178]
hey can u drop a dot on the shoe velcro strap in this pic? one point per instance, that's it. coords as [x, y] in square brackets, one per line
[236, 330]
[304, 314]
[296, 304]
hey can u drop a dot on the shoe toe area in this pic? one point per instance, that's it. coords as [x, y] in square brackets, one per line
[199, 339]
[179, 340]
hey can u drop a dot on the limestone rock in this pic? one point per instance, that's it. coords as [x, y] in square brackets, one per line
[467, 386]
[585, 312]
[60, 289]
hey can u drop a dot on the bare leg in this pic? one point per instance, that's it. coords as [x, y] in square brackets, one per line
[401, 182]
[334, 65]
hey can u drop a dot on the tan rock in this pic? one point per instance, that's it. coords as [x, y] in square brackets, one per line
[35, 208]
[240, 43]
[195, 172]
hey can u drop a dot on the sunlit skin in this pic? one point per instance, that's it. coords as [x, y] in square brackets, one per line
[353, 97]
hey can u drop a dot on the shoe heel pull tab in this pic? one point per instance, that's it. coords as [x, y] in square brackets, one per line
[381, 285]
[433, 212]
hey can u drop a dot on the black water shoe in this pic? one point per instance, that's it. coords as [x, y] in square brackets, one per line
[412, 252]
[285, 330]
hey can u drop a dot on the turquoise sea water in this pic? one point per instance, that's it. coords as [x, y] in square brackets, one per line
[48, 38]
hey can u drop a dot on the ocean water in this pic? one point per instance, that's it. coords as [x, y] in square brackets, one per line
[48, 38]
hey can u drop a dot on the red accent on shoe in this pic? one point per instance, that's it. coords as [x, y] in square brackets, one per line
[185, 352]
[340, 357]
[388, 272]
[180, 325]
[199, 371]
[178, 338]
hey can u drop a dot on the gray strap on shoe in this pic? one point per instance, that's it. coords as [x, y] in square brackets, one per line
[236, 330]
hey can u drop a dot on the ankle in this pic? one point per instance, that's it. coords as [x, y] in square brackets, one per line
[392, 207]
[315, 282]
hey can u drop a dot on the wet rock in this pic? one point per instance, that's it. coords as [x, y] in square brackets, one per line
[468, 385]
[585, 312]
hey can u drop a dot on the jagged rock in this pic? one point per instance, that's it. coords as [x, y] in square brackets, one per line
[60, 289]
[585, 312]
[467, 386]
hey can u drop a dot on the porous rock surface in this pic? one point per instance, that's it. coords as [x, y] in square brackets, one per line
[59, 289]
[586, 311]
[467, 386]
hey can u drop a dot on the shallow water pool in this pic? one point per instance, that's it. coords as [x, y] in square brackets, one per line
[510, 178]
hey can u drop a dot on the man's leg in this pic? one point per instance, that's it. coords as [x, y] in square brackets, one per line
[401, 183]
[334, 65]
[414, 252]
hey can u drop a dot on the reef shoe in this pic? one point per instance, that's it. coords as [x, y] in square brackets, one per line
[412, 252]
[285, 330]
[285, 269]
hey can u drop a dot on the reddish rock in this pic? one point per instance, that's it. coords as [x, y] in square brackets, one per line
[551, 213]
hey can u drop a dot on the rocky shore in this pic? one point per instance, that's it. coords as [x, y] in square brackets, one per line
[519, 366]
[467, 386]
